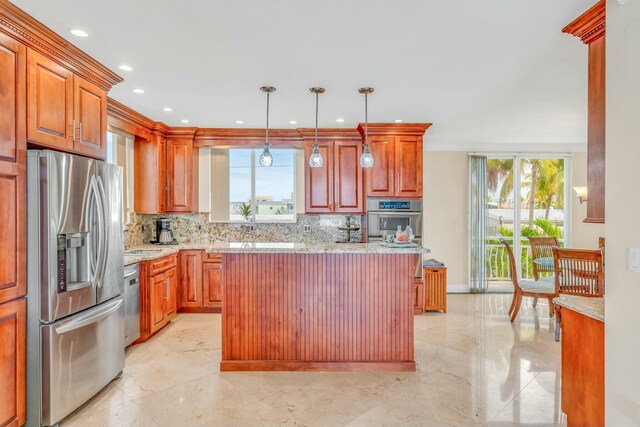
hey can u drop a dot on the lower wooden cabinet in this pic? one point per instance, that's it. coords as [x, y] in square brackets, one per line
[158, 294]
[212, 285]
[435, 289]
[12, 362]
[200, 281]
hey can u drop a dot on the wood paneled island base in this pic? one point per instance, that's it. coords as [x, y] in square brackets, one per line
[317, 312]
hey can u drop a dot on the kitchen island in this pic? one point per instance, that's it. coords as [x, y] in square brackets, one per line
[290, 306]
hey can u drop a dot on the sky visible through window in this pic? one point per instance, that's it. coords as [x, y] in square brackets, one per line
[275, 181]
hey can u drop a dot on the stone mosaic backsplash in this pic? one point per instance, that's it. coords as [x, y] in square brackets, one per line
[196, 228]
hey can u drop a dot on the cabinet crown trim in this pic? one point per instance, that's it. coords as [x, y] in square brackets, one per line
[32, 33]
[589, 26]
[415, 129]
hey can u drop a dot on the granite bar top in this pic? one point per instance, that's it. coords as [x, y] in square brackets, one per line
[269, 247]
[590, 307]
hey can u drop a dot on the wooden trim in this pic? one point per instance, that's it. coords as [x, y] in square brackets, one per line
[200, 310]
[589, 26]
[125, 118]
[236, 137]
[415, 129]
[278, 365]
[333, 134]
[27, 30]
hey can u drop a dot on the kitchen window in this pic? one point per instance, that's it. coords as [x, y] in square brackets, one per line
[120, 152]
[243, 190]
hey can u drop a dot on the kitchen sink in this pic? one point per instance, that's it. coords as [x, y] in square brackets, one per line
[137, 252]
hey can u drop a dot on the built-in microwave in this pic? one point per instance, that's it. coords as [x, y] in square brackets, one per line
[385, 216]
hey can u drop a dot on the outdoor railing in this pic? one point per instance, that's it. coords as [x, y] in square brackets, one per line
[497, 260]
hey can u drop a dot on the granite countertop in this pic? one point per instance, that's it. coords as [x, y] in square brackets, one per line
[590, 307]
[270, 247]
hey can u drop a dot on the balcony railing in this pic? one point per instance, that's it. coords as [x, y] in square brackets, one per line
[497, 259]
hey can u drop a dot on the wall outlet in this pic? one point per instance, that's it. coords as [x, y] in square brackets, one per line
[634, 260]
[199, 227]
[307, 228]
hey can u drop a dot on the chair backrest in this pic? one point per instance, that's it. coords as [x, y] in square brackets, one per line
[512, 264]
[542, 247]
[579, 272]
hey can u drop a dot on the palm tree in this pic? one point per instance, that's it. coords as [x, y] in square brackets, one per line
[500, 170]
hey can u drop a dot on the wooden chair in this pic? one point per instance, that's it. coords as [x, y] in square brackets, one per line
[542, 247]
[543, 288]
[577, 272]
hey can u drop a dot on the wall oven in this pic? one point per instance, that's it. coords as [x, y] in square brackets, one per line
[384, 216]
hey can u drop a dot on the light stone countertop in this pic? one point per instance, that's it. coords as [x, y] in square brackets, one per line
[270, 247]
[590, 307]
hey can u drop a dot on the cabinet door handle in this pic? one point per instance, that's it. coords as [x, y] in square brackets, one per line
[166, 281]
[80, 133]
[73, 130]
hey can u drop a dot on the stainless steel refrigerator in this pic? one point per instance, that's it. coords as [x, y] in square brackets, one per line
[75, 310]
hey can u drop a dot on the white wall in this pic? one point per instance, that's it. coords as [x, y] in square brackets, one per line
[622, 301]
[445, 212]
[583, 235]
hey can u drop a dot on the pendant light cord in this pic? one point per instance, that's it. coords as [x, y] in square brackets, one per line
[316, 120]
[366, 120]
[266, 142]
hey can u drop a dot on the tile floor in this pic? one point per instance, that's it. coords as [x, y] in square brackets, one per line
[474, 368]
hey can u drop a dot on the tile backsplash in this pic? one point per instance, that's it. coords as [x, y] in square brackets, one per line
[196, 228]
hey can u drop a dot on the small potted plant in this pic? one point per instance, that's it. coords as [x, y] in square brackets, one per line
[245, 211]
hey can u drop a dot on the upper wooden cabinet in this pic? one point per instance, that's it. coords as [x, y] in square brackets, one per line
[150, 175]
[590, 29]
[64, 111]
[397, 153]
[336, 187]
[182, 175]
[12, 92]
[166, 174]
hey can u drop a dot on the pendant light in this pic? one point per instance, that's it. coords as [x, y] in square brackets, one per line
[266, 159]
[366, 159]
[315, 161]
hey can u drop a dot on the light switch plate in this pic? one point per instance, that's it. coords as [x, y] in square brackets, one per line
[634, 260]
[307, 228]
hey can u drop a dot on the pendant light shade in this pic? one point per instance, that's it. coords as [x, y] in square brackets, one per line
[366, 159]
[316, 160]
[266, 159]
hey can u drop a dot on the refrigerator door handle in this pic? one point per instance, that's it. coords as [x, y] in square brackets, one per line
[88, 320]
[90, 216]
[103, 224]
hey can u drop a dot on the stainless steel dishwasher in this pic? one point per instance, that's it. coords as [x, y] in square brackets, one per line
[131, 304]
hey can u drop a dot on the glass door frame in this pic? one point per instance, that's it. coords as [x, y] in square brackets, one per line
[517, 186]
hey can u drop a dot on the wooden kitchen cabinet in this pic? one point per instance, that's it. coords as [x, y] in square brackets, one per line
[64, 111]
[397, 152]
[191, 272]
[13, 225]
[13, 325]
[182, 175]
[90, 112]
[336, 187]
[49, 103]
[158, 294]
[212, 285]
[150, 175]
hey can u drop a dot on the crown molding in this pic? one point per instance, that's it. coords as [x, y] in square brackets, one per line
[415, 129]
[589, 26]
[235, 137]
[27, 30]
[123, 117]
[181, 132]
[334, 134]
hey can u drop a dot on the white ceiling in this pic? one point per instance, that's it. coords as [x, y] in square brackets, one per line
[483, 72]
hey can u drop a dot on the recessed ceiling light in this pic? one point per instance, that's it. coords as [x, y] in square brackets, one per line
[239, 122]
[125, 67]
[398, 120]
[167, 109]
[138, 91]
[340, 120]
[184, 121]
[293, 122]
[79, 33]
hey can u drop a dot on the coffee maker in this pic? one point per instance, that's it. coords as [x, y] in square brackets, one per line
[164, 232]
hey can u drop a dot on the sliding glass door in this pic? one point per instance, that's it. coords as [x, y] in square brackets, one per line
[526, 196]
